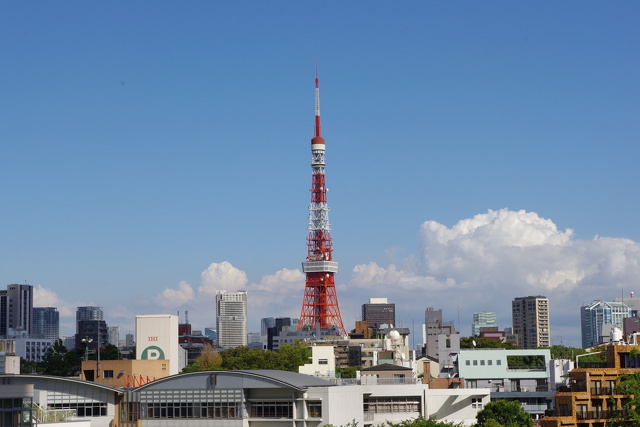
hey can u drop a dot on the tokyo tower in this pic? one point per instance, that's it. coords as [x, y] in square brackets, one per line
[320, 301]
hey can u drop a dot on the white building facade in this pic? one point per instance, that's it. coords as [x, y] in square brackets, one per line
[231, 319]
[502, 372]
[157, 339]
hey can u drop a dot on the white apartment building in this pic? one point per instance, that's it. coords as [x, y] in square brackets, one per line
[231, 318]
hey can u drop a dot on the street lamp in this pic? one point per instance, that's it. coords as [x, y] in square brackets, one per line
[86, 341]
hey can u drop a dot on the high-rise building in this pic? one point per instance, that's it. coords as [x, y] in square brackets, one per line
[379, 311]
[16, 311]
[46, 323]
[88, 313]
[598, 318]
[434, 326]
[3, 313]
[482, 320]
[231, 318]
[114, 335]
[320, 307]
[531, 321]
[265, 324]
[92, 334]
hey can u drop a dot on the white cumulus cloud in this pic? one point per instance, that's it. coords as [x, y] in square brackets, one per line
[176, 297]
[222, 276]
[43, 297]
[483, 263]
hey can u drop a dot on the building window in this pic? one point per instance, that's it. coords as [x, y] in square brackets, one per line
[108, 374]
[476, 402]
[468, 362]
[314, 409]
[475, 363]
[489, 362]
[482, 362]
[498, 362]
[271, 410]
[392, 404]
[581, 412]
[86, 409]
[323, 362]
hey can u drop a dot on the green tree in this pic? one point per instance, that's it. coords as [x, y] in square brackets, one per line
[423, 422]
[56, 361]
[294, 355]
[508, 414]
[348, 372]
[525, 362]
[627, 385]
[208, 360]
[481, 342]
[30, 367]
[110, 352]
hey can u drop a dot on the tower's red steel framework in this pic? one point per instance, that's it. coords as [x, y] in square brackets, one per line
[320, 301]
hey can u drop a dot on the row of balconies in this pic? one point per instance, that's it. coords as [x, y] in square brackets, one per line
[597, 414]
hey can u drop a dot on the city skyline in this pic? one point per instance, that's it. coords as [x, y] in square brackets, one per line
[478, 153]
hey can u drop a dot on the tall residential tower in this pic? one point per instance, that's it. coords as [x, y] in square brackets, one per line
[231, 318]
[531, 321]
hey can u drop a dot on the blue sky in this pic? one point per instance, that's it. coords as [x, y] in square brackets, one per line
[476, 151]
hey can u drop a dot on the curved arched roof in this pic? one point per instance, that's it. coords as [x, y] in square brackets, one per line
[250, 378]
[32, 379]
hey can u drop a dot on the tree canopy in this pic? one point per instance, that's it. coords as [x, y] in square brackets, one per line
[627, 385]
[423, 422]
[288, 357]
[58, 361]
[481, 342]
[508, 414]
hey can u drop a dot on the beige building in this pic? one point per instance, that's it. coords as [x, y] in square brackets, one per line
[531, 321]
[591, 396]
[124, 373]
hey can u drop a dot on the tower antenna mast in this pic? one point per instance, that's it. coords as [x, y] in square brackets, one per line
[320, 307]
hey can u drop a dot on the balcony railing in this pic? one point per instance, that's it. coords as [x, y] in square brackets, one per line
[571, 389]
[595, 391]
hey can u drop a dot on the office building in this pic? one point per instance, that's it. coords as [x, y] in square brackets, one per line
[531, 321]
[599, 318]
[379, 312]
[46, 323]
[434, 326]
[231, 319]
[92, 334]
[483, 320]
[16, 311]
[265, 324]
[113, 332]
[88, 313]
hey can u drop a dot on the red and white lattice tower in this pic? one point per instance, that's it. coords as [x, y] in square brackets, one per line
[320, 301]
